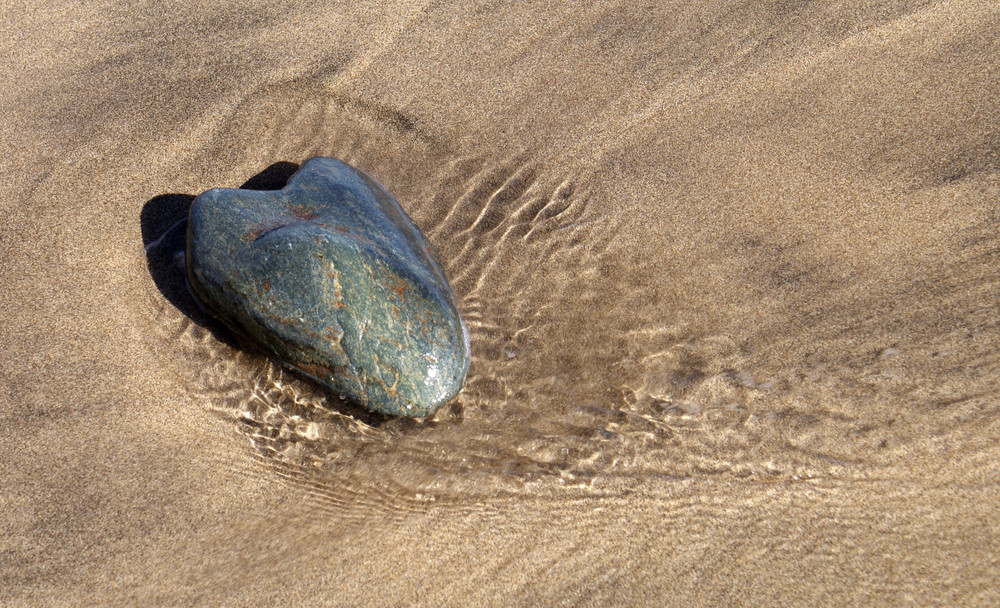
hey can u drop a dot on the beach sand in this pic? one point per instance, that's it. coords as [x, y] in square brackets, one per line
[731, 272]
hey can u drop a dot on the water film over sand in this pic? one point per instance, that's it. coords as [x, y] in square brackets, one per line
[730, 271]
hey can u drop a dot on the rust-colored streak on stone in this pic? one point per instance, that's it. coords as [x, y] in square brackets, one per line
[316, 370]
[392, 342]
[303, 212]
[400, 288]
[261, 229]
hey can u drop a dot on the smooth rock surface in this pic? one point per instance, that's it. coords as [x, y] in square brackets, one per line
[331, 277]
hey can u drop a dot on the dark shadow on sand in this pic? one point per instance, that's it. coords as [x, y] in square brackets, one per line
[164, 234]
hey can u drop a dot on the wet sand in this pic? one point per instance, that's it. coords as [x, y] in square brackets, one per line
[730, 270]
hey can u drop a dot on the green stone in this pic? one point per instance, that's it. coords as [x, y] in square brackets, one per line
[330, 277]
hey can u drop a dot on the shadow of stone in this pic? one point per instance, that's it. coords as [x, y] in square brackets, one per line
[274, 177]
[164, 228]
[164, 235]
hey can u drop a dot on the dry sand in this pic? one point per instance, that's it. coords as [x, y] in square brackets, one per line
[730, 268]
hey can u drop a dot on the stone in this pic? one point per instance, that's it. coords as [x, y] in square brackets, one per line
[331, 278]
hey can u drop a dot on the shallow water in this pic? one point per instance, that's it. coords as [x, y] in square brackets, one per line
[591, 372]
[730, 272]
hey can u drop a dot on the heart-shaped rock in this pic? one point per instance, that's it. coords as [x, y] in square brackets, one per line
[331, 278]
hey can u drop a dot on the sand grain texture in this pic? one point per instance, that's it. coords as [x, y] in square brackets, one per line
[730, 269]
